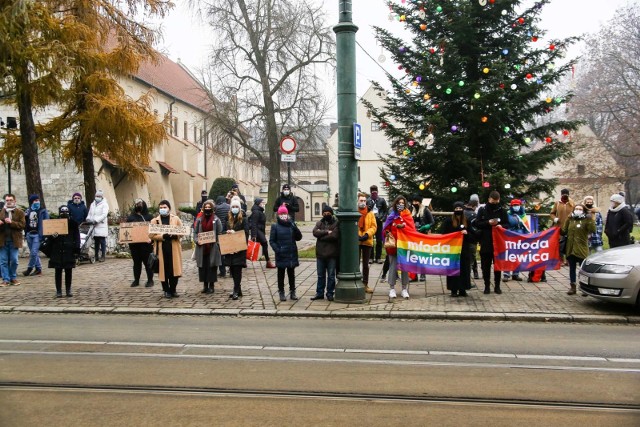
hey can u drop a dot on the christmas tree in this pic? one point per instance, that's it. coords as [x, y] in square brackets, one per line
[469, 114]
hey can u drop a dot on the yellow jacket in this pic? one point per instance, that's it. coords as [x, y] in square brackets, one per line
[366, 224]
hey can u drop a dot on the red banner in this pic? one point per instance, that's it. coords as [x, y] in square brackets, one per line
[526, 252]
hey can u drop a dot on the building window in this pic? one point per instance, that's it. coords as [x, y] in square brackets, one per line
[375, 127]
[316, 208]
[175, 126]
[195, 134]
[185, 135]
[581, 169]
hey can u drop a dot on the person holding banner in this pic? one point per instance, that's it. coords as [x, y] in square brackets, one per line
[399, 217]
[62, 255]
[207, 255]
[459, 285]
[169, 250]
[237, 222]
[577, 229]
[518, 223]
[140, 251]
[489, 216]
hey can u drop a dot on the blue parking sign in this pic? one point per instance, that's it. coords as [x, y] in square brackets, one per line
[357, 141]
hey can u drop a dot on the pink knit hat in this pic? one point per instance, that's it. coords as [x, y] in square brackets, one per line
[282, 210]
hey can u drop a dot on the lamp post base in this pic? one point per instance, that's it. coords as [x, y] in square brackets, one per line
[350, 289]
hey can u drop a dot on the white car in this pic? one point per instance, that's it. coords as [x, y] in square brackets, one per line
[612, 275]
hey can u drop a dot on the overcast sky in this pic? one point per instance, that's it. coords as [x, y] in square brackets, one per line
[187, 39]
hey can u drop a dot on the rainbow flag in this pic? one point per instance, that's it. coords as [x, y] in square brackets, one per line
[437, 254]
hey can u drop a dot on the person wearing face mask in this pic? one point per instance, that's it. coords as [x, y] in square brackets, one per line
[288, 200]
[366, 230]
[98, 217]
[78, 210]
[243, 200]
[283, 238]
[327, 234]
[577, 229]
[619, 222]
[222, 212]
[34, 216]
[204, 196]
[258, 222]
[64, 249]
[518, 223]
[237, 223]
[380, 210]
[422, 217]
[562, 209]
[140, 251]
[595, 239]
[169, 250]
[459, 285]
[207, 255]
[12, 222]
[489, 216]
[399, 217]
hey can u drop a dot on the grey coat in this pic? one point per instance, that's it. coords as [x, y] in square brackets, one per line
[215, 259]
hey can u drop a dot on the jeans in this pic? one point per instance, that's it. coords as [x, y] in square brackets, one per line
[9, 261]
[33, 241]
[393, 273]
[326, 268]
[574, 262]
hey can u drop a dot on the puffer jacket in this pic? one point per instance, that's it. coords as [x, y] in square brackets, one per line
[366, 225]
[99, 212]
[258, 222]
[283, 238]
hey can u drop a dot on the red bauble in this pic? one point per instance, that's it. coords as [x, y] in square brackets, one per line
[552, 47]
[529, 76]
[501, 85]
[436, 105]
[548, 140]
[534, 38]
[565, 132]
[521, 21]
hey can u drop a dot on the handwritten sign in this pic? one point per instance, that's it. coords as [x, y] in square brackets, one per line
[207, 237]
[180, 230]
[53, 226]
[133, 232]
[232, 243]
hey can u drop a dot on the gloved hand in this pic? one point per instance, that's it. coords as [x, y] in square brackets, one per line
[166, 237]
[175, 237]
[364, 237]
[424, 228]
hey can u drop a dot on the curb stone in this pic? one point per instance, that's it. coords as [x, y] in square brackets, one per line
[539, 317]
[603, 318]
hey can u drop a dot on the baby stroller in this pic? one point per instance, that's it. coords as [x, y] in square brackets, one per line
[87, 251]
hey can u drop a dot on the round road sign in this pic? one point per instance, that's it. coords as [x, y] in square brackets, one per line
[288, 145]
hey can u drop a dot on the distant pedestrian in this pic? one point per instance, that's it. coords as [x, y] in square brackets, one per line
[399, 218]
[34, 216]
[222, 212]
[140, 251]
[78, 210]
[595, 239]
[169, 250]
[327, 233]
[366, 230]
[460, 284]
[243, 204]
[380, 211]
[258, 222]
[490, 215]
[619, 222]
[289, 201]
[98, 217]
[12, 222]
[207, 255]
[283, 238]
[63, 252]
[204, 196]
[577, 229]
[237, 223]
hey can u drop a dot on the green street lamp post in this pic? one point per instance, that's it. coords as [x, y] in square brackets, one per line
[349, 288]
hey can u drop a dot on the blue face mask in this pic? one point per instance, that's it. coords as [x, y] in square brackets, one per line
[163, 211]
[235, 211]
[35, 206]
[516, 208]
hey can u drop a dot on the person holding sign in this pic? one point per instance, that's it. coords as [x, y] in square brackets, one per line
[168, 249]
[237, 222]
[62, 255]
[399, 217]
[459, 285]
[283, 238]
[140, 251]
[12, 221]
[207, 253]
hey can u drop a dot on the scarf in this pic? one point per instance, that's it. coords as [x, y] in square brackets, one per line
[619, 208]
[363, 214]
[391, 217]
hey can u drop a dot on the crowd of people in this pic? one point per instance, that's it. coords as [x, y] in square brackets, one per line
[581, 225]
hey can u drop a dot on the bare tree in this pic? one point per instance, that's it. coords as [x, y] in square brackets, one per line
[266, 61]
[608, 91]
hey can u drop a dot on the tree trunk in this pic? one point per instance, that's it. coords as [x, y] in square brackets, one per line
[28, 138]
[89, 174]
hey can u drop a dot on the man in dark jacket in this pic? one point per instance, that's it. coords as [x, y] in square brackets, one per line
[327, 253]
[78, 211]
[140, 251]
[243, 204]
[33, 232]
[258, 222]
[619, 222]
[489, 216]
[222, 212]
[289, 200]
[204, 196]
[380, 210]
[472, 238]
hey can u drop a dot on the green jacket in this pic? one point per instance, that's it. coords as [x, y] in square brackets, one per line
[577, 231]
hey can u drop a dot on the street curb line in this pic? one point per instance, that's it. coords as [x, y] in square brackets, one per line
[337, 314]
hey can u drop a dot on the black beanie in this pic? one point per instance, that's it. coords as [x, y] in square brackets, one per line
[165, 202]
[327, 208]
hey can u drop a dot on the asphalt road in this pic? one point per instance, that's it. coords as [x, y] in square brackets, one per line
[143, 370]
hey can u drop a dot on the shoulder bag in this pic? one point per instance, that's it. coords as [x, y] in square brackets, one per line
[153, 262]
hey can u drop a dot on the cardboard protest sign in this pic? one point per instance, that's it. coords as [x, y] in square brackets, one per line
[232, 243]
[207, 237]
[53, 226]
[133, 232]
[180, 230]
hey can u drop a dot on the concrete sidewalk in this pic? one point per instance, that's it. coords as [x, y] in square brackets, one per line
[104, 288]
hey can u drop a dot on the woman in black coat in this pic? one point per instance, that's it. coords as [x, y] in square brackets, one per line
[283, 238]
[258, 222]
[237, 222]
[458, 285]
[62, 255]
[140, 251]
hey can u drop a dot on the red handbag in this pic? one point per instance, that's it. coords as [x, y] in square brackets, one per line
[253, 250]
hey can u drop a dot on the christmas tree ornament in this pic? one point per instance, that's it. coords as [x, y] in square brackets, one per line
[422, 14]
[454, 128]
[501, 85]
[558, 100]
[485, 70]
[436, 105]
[552, 46]
[529, 76]
[439, 9]
[403, 18]
[486, 184]
[448, 91]
[454, 189]
[476, 95]
[534, 39]
[521, 20]
[548, 140]
[507, 186]
[419, 79]
[565, 132]
[392, 177]
[549, 100]
[504, 12]
[461, 83]
[506, 129]
[421, 186]
[423, 27]
[492, 1]
[484, 119]
[411, 143]
[514, 86]
[505, 51]
[427, 96]
[527, 140]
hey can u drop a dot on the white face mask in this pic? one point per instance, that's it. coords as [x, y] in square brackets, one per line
[286, 192]
[362, 205]
[516, 208]
[235, 210]
[284, 217]
[98, 199]
[164, 211]
[578, 212]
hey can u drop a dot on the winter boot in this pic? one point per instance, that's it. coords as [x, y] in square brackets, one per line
[282, 296]
[293, 296]
[205, 288]
[68, 289]
[27, 272]
[367, 289]
[572, 291]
